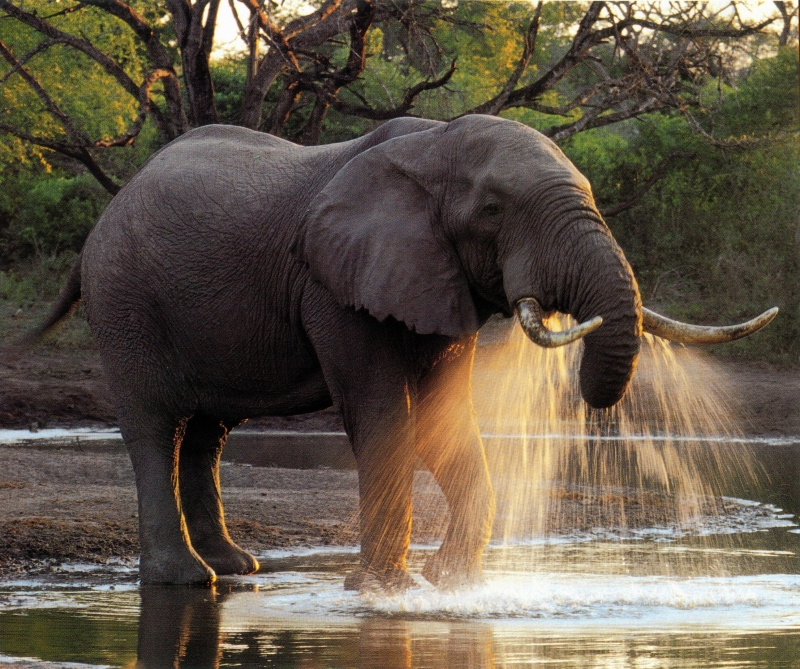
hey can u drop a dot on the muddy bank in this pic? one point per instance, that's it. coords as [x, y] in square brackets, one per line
[72, 503]
[46, 519]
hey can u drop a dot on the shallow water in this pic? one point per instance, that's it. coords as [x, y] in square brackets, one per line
[681, 599]
[669, 549]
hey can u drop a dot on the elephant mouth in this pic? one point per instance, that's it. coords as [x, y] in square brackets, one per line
[531, 318]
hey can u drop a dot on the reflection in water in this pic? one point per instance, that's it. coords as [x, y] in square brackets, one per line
[385, 644]
[402, 644]
[179, 626]
[602, 619]
[586, 613]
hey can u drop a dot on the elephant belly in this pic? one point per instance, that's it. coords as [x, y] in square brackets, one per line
[266, 397]
[245, 380]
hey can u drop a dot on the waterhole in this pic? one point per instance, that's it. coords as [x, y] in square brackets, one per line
[587, 604]
[652, 535]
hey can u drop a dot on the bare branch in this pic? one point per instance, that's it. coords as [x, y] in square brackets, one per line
[400, 110]
[356, 59]
[193, 40]
[594, 119]
[495, 105]
[74, 135]
[659, 171]
[144, 109]
[78, 153]
[64, 12]
[282, 109]
[159, 59]
[108, 64]
[172, 127]
[39, 48]
[583, 41]
[786, 15]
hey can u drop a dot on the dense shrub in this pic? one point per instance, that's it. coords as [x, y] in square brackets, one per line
[56, 215]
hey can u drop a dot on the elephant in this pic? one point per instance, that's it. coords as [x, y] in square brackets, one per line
[239, 275]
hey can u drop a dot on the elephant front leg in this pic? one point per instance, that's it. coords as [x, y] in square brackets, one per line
[385, 479]
[459, 465]
[449, 443]
[368, 376]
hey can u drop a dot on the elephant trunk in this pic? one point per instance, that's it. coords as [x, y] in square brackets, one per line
[605, 287]
[580, 270]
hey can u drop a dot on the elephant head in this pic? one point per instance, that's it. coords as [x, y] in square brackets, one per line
[441, 228]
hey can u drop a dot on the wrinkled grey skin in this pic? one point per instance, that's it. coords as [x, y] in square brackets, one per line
[239, 275]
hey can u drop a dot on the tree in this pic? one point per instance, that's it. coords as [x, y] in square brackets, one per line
[602, 63]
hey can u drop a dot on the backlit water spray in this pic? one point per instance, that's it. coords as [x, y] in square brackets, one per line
[654, 467]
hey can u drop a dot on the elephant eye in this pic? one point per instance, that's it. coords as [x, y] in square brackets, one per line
[492, 209]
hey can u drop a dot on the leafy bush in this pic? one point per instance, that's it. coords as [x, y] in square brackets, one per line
[717, 239]
[55, 216]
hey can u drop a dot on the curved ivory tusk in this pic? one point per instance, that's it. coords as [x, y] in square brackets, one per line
[683, 333]
[531, 315]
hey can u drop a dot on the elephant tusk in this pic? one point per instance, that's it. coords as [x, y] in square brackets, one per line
[531, 315]
[683, 333]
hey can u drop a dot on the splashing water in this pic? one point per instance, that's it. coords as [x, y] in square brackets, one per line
[654, 466]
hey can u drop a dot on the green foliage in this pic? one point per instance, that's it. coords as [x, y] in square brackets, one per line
[718, 238]
[229, 76]
[77, 84]
[765, 101]
[55, 215]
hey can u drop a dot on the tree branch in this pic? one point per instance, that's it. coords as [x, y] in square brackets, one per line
[596, 119]
[159, 59]
[145, 103]
[495, 105]
[170, 128]
[39, 48]
[588, 36]
[192, 39]
[73, 134]
[356, 59]
[659, 172]
[402, 109]
[108, 64]
[78, 153]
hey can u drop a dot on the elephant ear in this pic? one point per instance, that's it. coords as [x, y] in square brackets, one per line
[371, 238]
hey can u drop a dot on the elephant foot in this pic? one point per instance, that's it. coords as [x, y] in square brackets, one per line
[170, 569]
[450, 573]
[227, 559]
[389, 581]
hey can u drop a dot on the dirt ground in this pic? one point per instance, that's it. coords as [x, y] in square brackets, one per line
[78, 503]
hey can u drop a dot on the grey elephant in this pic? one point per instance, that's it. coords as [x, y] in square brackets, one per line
[239, 275]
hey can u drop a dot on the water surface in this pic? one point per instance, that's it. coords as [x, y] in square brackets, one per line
[725, 600]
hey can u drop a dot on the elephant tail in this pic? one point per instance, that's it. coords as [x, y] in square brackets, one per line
[65, 302]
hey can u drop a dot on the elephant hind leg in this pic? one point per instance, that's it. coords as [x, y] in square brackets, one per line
[167, 555]
[201, 500]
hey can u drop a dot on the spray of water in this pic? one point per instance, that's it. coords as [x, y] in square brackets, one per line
[653, 466]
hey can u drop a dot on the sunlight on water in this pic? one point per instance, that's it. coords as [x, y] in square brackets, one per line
[295, 614]
[659, 460]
